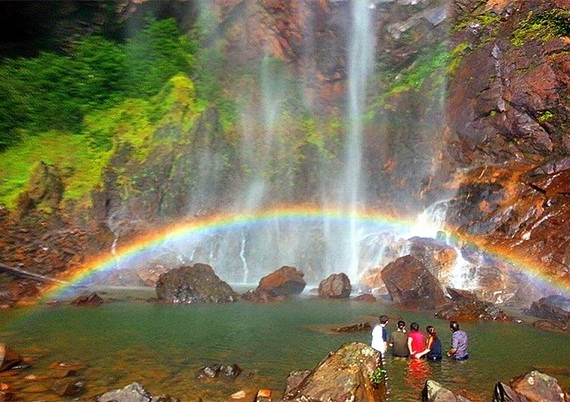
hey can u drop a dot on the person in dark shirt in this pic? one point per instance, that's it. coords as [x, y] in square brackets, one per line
[398, 340]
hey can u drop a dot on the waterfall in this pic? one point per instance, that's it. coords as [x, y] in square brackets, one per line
[243, 258]
[351, 183]
[285, 153]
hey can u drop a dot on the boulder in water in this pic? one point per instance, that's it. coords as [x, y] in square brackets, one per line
[8, 357]
[134, 392]
[465, 306]
[91, 300]
[336, 286]
[411, 285]
[345, 375]
[554, 308]
[435, 392]
[195, 284]
[227, 371]
[67, 387]
[285, 281]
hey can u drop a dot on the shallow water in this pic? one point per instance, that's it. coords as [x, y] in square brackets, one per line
[164, 346]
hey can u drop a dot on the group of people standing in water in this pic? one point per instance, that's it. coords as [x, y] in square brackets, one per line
[413, 343]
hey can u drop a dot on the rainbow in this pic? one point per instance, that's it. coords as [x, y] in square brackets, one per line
[301, 213]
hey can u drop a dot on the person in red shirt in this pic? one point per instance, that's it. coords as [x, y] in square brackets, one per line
[416, 343]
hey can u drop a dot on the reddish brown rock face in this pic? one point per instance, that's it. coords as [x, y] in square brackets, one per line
[411, 285]
[283, 282]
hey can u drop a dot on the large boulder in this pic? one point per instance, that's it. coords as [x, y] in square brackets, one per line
[438, 257]
[195, 284]
[465, 306]
[533, 386]
[411, 285]
[554, 308]
[352, 373]
[285, 281]
[336, 286]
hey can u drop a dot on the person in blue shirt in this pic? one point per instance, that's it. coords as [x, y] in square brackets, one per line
[459, 342]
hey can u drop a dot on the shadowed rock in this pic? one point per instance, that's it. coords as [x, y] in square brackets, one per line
[68, 387]
[438, 257]
[8, 357]
[533, 386]
[278, 285]
[134, 392]
[92, 299]
[336, 286]
[227, 371]
[435, 392]
[411, 285]
[555, 308]
[465, 306]
[283, 282]
[196, 284]
[344, 375]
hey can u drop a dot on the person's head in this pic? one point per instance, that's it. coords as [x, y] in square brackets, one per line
[454, 326]
[401, 325]
[383, 319]
[430, 330]
[414, 326]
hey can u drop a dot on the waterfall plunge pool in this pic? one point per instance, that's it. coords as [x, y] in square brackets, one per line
[164, 346]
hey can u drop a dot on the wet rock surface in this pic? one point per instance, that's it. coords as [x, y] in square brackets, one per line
[222, 371]
[134, 392]
[532, 386]
[343, 375]
[465, 306]
[8, 357]
[435, 392]
[278, 285]
[412, 285]
[92, 299]
[336, 286]
[195, 284]
[554, 308]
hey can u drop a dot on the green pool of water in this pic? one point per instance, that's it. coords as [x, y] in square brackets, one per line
[164, 346]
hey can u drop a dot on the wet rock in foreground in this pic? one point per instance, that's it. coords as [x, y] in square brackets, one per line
[345, 375]
[134, 392]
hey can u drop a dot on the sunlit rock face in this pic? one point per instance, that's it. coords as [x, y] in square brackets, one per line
[411, 285]
[345, 375]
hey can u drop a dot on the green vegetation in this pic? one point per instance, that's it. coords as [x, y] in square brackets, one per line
[482, 21]
[546, 116]
[378, 375]
[544, 26]
[79, 165]
[74, 110]
[56, 92]
[432, 63]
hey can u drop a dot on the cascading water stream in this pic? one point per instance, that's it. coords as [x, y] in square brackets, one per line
[351, 183]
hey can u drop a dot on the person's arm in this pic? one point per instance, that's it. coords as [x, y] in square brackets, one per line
[410, 346]
[429, 342]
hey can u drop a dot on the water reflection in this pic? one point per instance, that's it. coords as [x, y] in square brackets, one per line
[163, 347]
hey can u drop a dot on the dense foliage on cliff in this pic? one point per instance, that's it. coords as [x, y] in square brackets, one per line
[70, 109]
[54, 91]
